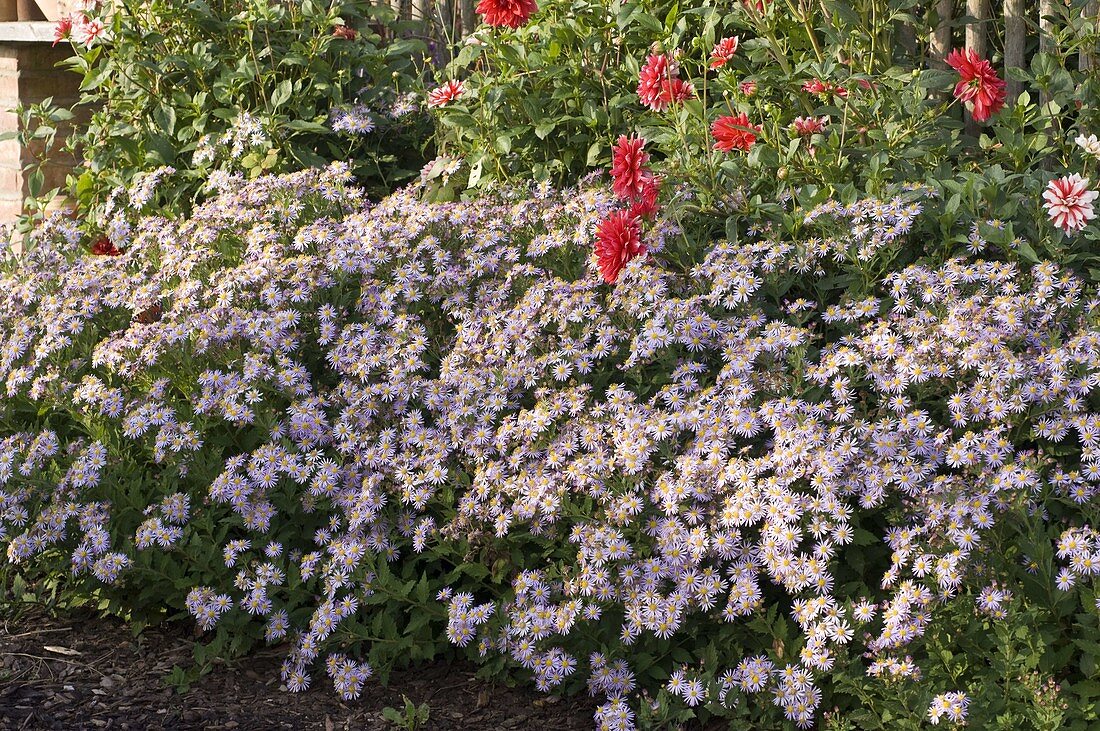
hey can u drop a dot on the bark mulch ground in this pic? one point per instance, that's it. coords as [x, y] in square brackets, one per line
[81, 672]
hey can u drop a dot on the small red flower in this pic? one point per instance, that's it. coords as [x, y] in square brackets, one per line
[806, 126]
[645, 205]
[618, 240]
[733, 133]
[507, 13]
[815, 86]
[63, 30]
[748, 88]
[628, 171]
[818, 87]
[660, 85]
[446, 94]
[723, 52]
[978, 83]
[757, 6]
[344, 32]
[104, 247]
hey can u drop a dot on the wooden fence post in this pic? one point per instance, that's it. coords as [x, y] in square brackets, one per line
[1046, 26]
[1015, 37]
[469, 17]
[1086, 58]
[975, 29]
[940, 41]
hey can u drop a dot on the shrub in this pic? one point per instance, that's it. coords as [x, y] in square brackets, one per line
[839, 108]
[241, 86]
[364, 427]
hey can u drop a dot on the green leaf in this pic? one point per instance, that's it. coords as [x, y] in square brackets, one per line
[1027, 253]
[543, 129]
[282, 93]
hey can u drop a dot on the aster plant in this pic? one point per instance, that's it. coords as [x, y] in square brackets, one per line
[365, 429]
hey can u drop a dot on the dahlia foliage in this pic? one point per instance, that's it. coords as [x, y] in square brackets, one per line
[674, 452]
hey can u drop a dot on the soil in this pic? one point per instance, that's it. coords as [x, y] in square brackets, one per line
[78, 671]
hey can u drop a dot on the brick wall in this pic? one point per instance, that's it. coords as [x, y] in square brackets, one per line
[28, 74]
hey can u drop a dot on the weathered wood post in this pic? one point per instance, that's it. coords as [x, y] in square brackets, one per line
[1015, 37]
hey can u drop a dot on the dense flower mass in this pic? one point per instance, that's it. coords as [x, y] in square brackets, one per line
[1069, 202]
[507, 13]
[733, 133]
[978, 84]
[341, 388]
[660, 85]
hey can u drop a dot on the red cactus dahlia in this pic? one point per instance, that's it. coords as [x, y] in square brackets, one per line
[506, 13]
[733, 133]
[660, 85]
[978, 83]
[645, 205]
[618, 240]
[628, 171]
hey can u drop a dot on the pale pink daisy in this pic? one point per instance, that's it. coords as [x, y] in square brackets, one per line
[1069, 202]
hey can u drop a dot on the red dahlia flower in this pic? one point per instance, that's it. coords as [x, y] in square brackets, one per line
[446, 94]
[978, 83]
[723, 52]
[645, 205]
[748, 88]
[660, 85]
[104, 247]
[1069, 202]
[628, 172]
[618, 240]
[733, 133]
[507, 13]
[63, 30]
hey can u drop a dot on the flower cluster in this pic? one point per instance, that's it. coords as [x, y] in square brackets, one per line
[660, 85]
[950, 706]
[674, 452]
[355, 120]
[83, 28]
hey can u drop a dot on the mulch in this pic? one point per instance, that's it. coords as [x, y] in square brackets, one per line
[79, 671]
